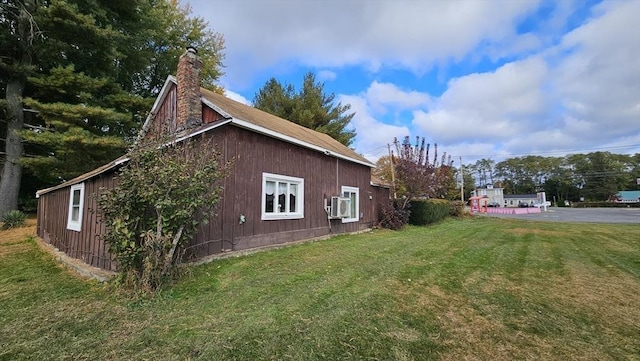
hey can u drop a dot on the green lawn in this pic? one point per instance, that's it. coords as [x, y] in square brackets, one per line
[480, 288]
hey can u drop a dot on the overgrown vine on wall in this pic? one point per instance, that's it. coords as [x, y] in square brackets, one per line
[165, 191]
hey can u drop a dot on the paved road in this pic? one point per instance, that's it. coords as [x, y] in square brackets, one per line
[593, 215]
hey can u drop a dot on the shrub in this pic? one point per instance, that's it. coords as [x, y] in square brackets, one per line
[428, 211]
[457, 209]
[13, 219]
[29, 205]
[392, 216]
[164, 193]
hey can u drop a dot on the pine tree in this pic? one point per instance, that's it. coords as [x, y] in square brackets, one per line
[310, 107]
[89, 71]
[86, 116]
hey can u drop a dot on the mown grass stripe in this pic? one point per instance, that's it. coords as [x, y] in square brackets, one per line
[478, 288]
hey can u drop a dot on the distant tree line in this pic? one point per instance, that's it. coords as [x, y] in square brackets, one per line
[593, 176]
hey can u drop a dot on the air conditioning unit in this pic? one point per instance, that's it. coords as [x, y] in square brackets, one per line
[340, 207]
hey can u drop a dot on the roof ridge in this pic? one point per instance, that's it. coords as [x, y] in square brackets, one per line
[261, 118]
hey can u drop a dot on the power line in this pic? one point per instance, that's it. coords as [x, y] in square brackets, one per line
[546, 152]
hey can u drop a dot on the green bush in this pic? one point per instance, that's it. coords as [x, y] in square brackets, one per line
[457, 209]
[428, 211]
[29, 205]
[13, 219]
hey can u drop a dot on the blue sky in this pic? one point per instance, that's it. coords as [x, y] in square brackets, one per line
[482, 79]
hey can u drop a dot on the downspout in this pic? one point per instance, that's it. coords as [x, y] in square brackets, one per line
[337, 181]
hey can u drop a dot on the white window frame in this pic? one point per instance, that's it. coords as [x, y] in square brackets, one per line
[276, 215]
[75, 224]
[356, 191]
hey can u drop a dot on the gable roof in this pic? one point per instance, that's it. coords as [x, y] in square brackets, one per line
[259, 121]
[243, 116]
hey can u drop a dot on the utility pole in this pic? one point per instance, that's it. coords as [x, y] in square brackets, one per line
[393, 172]
[461, 182]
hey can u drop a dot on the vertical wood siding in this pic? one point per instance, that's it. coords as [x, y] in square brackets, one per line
[164, 121]
[252, 154]
[165, 118]
[53, 210]
[323, 176]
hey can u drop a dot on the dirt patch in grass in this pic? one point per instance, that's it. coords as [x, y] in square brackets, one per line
[523, 231]
[15, 240]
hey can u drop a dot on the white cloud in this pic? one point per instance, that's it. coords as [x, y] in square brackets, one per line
[599, 80]
[579, 90]
[385, 96]
[237, 97]
[409, 34]
[582, 94]
[373, 135]
[488, 107]
[324, 75]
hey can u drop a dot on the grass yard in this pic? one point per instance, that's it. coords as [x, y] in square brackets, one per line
[465, 289]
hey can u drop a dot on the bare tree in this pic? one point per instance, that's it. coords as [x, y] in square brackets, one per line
[419, 175]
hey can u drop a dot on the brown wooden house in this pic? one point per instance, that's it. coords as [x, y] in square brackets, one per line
[287, 183]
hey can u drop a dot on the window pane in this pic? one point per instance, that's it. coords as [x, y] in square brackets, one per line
[281, 205]
[282, 188]
[270, 187]
[353, 204]
[268, 205]
[75, 213]
[292, 203]
[293, 188]
[282, 197]
[76, 197]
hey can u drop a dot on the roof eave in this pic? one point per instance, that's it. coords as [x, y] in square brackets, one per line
[83, 177]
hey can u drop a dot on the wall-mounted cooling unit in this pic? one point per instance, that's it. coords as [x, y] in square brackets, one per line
[340, 207]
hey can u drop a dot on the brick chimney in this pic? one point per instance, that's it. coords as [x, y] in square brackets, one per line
[189, 112]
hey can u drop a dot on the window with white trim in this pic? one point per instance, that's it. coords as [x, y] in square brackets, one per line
[76, 203]
[282, 197]
[352, 193]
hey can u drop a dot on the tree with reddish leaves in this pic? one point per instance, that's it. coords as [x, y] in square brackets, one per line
[418, 174]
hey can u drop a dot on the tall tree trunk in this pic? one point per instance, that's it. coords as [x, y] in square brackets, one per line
[12, 170]
[26, 29]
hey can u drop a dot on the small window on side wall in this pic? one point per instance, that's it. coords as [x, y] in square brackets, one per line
[352, 193]
[282, 197]
[76, 204]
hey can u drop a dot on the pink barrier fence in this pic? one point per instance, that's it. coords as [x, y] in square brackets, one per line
[500, 210]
